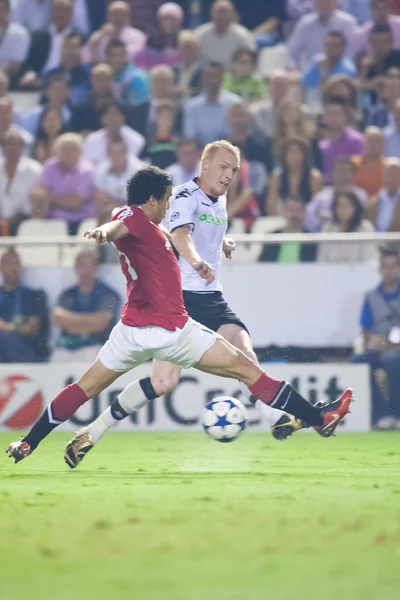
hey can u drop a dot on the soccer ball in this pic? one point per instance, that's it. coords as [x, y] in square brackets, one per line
[224, 418]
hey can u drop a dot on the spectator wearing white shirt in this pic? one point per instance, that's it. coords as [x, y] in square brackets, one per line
[113, 121]
[188, 163]
[111, 177]
[46, 46]
[32, 14]
[14, 43]
[223, 36]
[308, 36]
[383, 210]
[18, 176]
[392, 133]
[6, 121]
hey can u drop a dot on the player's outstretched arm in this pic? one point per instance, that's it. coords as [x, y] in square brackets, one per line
[184, 244]
[109, 232]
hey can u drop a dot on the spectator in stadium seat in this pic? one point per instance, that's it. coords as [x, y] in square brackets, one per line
[117, 27]
[294, 213]
[67, 189]
[241, 80]
[14, 44]
[6, 121]
[390, 93]
[294, 179]
[241, 201]
[206, 115]
[223, 36]
[330, 62]
[370, 164]
[51, 126]
[291, 121]
[89, 15]
[380, 323]
[265, 111]
[45, 49]
[85, 117]
[380, 10]
[340, 140]
[113, 127]
[86, 313]
[75, 73]
[111, 177]
[319, 210]
[246, 135]
[308, 35]
[188, 73]
[34, 15]
[56, 97]
[162, 48]
[383, 210]
[187, 166]
[392, 133]
[347, 216]
[144, 15]
[341, 87]
[18, 176]
[24, 321]
[131, 85]
[162, 89]
[161, 148]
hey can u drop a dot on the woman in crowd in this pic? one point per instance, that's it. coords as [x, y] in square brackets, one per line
[241, 201]
[162, 48]
[347, 216]
[291, 123]
[343, 87]
[294, 179]
[50, 127]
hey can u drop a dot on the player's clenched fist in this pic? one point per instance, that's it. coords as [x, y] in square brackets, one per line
[205, 271]
[228, 246]
[98, 235]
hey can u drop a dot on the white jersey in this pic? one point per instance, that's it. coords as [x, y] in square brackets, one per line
[208, 219]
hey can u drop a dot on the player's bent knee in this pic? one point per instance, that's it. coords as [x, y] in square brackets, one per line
[167, 383]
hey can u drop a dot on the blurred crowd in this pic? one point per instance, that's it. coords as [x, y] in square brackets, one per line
[90, 90]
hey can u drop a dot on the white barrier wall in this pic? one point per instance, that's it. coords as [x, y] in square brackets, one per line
[25, 390]
[296, 305]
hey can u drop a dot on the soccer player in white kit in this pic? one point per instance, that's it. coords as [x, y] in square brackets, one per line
[197, 222]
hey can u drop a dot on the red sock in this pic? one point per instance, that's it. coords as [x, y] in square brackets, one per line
[67, 402]
[265, 388]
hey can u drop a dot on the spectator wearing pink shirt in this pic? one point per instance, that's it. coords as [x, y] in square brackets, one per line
[67, 188]
[116, 28]
[162, 48]
[380, 16]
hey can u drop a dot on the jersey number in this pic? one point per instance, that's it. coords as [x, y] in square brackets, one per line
[131, 270]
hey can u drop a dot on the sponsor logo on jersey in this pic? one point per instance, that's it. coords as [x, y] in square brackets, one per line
[214, 220]
[21, 401]
[175, 216]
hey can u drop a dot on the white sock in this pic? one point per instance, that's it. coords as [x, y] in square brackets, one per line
[131, 399]
[271, 415]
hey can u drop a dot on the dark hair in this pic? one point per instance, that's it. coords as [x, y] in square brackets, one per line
[381, 28]
[304, 192]
[114, 44]
[356, 219]
[73, 35]
[337, 34]
[215, 65]
[389, 252]
[41, 134]
[189, 141]
[147, 182]
[113, 104]
[240, 51]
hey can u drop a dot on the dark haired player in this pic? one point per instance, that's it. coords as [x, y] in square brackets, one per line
[155, 324]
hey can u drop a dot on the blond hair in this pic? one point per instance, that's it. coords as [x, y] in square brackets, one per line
[211, 149]
[66, 138]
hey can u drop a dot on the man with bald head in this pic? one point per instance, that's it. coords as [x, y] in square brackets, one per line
[370, 164]
[223, 36]
[86, 116]
[249, 138]
[383, 210]
[392, 133]
[116, 27]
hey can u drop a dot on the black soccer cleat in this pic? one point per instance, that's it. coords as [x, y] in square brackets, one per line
[286, 426]
[77, 448]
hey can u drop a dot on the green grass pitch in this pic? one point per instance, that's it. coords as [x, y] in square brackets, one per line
[177, 516]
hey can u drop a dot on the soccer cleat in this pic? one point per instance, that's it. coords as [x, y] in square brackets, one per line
[286, 426]
[334, 413]
[18, 450]
[78, 447]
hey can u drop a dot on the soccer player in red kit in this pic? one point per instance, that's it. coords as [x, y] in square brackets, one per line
[155, 324]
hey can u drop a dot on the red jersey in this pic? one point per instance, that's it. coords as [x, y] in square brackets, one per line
[152, 273]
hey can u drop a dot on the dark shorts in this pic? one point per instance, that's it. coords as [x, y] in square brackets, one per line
[210, 310]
